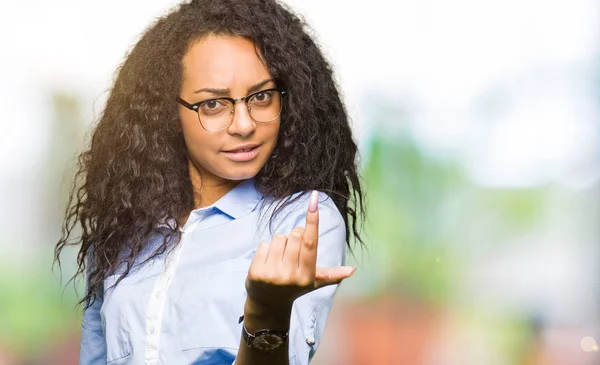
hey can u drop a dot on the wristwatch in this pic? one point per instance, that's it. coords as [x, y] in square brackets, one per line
[265, 340]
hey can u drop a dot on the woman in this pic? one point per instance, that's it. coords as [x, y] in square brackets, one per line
[202, 242]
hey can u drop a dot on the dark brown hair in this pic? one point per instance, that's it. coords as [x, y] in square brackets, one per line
[134, 174]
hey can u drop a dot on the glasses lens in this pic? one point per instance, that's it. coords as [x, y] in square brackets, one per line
[215, 114]
[265, 106]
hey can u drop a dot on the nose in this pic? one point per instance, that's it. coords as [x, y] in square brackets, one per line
[242, 123]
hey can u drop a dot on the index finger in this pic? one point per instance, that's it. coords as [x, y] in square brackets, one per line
[310, 239]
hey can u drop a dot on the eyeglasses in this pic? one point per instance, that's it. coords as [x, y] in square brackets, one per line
[217, 114]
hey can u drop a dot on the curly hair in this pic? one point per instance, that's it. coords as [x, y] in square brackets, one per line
[134, 174]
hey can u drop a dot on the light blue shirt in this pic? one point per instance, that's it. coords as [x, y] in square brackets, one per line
[183, 306]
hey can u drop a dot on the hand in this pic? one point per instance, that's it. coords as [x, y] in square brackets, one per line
[286, 268]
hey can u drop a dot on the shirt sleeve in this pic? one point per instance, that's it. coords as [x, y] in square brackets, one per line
[310, 311]
[93, 344]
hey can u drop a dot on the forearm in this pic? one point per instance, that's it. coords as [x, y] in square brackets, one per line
[257, 317]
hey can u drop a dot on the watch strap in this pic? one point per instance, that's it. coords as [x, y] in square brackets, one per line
[249, 337]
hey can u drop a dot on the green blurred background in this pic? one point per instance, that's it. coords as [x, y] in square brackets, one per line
[478, 124]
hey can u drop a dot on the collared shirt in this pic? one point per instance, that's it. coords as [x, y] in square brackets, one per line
[183, 306]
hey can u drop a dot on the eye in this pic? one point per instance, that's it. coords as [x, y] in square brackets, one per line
[261, 98]
[213, 106]
[210, 104]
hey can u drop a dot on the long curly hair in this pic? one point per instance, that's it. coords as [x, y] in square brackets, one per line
[134, 175]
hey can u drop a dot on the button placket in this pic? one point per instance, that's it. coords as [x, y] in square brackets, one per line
[155, 308]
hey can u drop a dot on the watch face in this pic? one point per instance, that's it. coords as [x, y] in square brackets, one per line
[267, 342]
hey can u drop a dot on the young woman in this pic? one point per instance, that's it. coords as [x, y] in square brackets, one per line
[216, 195]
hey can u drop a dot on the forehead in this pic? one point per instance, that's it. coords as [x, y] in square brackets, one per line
[223, 62]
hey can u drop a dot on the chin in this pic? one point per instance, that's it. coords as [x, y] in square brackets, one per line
[241, 171]
[239, 175]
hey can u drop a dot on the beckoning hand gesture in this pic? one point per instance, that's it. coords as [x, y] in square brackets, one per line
[286, 268]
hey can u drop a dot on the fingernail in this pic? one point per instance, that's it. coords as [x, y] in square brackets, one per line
[313, 202]
[353, 270]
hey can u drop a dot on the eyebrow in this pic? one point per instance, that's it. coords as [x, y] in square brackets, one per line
[215, 91]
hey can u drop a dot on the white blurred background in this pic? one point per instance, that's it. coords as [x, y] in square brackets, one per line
[478, 123]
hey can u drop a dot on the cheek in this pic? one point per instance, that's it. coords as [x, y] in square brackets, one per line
[273, 133]
[271, 137]
[197, 140]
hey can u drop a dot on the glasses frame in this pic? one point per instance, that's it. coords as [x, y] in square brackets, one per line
[196, 106]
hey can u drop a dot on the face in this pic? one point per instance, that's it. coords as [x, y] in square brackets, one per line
[223, 66]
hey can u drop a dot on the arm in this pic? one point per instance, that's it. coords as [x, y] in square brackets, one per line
[286, 270]
[93, 343]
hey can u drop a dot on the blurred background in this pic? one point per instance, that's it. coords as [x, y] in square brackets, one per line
[478, 123]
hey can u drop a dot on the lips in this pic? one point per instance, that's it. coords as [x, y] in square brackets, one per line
[243, 148]
[242, 153]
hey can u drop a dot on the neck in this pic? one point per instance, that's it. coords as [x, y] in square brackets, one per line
[207, 187]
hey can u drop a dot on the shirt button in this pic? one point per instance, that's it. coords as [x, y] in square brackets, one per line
[157, 295]
[151, 330]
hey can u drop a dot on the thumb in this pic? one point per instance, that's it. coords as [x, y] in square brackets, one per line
[332, 275]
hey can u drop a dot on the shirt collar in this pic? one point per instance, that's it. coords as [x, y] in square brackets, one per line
[240, 200]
